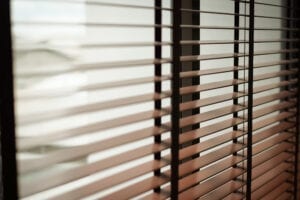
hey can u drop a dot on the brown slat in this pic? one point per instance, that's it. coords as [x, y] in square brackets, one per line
[285, 196]
[72, 153]
[237, 27]
[204, 131]
[56, 70]
[212, 42]
[208, 172]
[274, 63]
[272, 97]
[34, 164]
[118, 140]
[233, 68]
[269, 153]
[89, 128]
[234, 196]
[209, 101]
[186, 121]
[203, 72]
[62, 91]
[260, 192]
[137, 188]
[278, 191]
[273, 86]
[208, 144]
[283, 126]
[223, 191]
[271, 142]
[270, 176]
[206, 159]
[97, 3]
[87, 24]
[98, 185]
[26, 118]
[209, 86]
[274, 75]
[263, 123]
[269, 164]
[158, 196]
[211, 184]
[210, 57]
[274, 108]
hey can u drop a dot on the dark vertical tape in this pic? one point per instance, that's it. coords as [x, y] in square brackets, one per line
[250, 99]
[196, 64]
[175, 116]
[157, 73]
[296, 24]
[7, 123]
[236, 58]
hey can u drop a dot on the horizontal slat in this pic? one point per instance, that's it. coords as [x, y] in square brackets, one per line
[212, 42]
[230, 55]
[237, 14]
[208, 172]
[208, 144]
[209, 86]
[61, 91]
[206, 159]
[283, 126]
[274, 63]
[226, 97]
[270, 175]
[269, 4]
[234, 196]
[194, 119]
[41, 23]
[273, 108]
[271, 142]
[85, 45]
[210, 57]
[233, 68]
[276, 192]
[38, 163]
[209, 101]
[273, 97]
[97, 3]
[223, 191]
[185, 26]
[263, 123]
[260, 192]
[203, 72]
[269, 164]
[285, 196]
[206, 130]
[270, 153]
[211, 184]
[137, 188]
[273, 86]
[38, 116]
[98, 185]
[75, 67]
[48, 138]
[274, 75]
[72, 153]
[158, 196]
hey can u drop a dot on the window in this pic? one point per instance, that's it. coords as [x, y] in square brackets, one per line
[155, 99]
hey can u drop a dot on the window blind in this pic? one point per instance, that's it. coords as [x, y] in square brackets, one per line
[156, 99]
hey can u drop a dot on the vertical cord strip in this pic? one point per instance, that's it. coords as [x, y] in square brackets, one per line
[157, 73]
[250, 99]
[7, 119]
[296, 173]
[175, 100]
